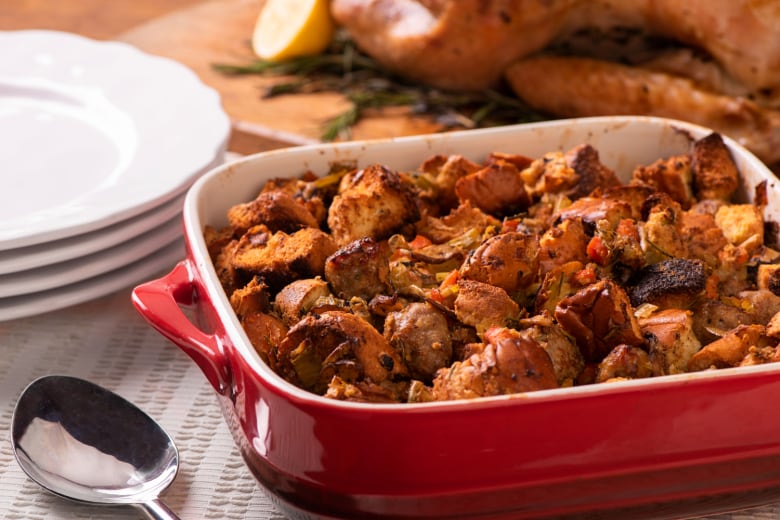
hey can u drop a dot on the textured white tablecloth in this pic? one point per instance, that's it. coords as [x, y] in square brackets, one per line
[107, 342]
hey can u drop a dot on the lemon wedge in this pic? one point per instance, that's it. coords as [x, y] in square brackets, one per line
[290, 28]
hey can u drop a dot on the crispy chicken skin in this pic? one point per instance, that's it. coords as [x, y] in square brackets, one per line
[472, 44]
[468, 44]
[463, 45]
[581, 87]
[373, 202]
[510, 362]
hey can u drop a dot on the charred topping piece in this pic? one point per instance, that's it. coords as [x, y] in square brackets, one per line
[671, 283]
[584, 160]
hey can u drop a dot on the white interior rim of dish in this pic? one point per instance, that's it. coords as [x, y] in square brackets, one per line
[127, 276]
[96, 132]
[80, 246]
[202, 200]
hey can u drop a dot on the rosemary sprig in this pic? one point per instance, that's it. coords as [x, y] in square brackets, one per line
[344, 69]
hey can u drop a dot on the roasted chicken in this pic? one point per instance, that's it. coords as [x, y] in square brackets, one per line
[716, 63]
[454, 292]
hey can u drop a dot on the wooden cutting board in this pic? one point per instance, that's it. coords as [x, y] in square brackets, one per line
[219, 31]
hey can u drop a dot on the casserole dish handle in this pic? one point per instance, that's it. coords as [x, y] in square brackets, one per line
[160, 303]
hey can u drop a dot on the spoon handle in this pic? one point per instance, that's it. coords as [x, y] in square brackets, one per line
[156, 510]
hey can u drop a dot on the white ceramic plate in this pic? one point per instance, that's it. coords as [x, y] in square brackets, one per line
[94, 133]
[57, 251]
[125, 277]
[72, 271]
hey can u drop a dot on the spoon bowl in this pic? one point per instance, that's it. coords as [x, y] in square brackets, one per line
[80, 441]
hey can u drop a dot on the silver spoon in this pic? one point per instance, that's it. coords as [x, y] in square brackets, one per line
[83, 442]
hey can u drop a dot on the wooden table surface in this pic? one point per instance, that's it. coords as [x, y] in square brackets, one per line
[99, 19]
[200, 33]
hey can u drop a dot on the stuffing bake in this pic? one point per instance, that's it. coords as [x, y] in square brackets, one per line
[466, 279]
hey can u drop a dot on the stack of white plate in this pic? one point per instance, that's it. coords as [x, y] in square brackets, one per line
[99, 143]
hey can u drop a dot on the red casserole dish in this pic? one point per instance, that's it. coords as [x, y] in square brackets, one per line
[663, 447]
